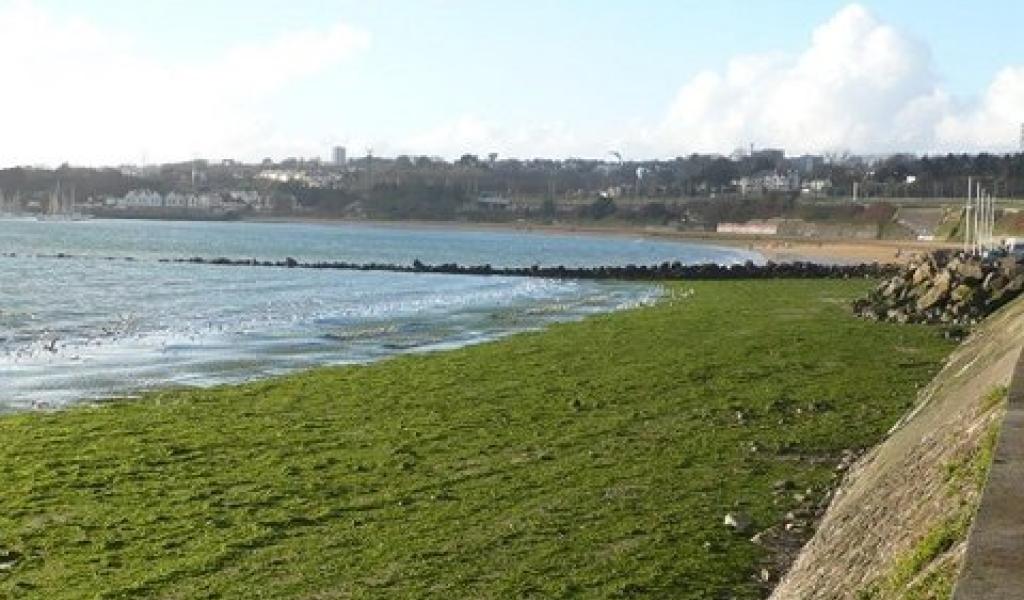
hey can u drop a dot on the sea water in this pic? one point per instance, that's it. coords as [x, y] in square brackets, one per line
[88, 311]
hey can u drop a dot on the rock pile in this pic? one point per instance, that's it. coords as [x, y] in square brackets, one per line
[944, 288]
[666, 271]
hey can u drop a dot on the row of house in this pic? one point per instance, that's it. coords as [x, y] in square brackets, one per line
[309, 178]
[146, 199]
[787, 182]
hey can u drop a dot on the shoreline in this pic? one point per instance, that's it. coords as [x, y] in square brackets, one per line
[772, 248]
[584, 424]
[25, 389]
[779, 249]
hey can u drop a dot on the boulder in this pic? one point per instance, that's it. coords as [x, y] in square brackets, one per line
[938, 292]
[1010, 268]
[893, 287]
[995, 281]
[953, 289]
[971, 270]
[922, 273]
[962, 294]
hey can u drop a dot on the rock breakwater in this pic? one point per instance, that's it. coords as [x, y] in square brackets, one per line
[663, 272]
[944, 288]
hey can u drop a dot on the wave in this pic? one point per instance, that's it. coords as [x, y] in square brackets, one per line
[80, 328]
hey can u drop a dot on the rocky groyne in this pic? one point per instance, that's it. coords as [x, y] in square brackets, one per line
[945, 288]
[664, 272]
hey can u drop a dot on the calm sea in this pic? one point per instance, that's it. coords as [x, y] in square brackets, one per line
[88, 327]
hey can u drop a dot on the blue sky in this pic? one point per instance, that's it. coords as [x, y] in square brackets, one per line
[548, 78]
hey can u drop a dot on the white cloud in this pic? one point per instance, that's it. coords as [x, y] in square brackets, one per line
[993, 120]
[861, 85]
[72, 91]
[850, 88]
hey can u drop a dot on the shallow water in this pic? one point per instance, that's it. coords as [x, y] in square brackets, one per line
[86, 327]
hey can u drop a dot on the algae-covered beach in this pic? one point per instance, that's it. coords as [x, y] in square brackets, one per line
[455, 300]
[592, 459]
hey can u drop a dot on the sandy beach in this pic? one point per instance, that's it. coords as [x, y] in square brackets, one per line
[836, 251]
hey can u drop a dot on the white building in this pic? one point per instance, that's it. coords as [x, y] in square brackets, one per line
[190, 201]
[284, 175]
[176, 200]
[140, 199]
[136, 199]
[769, 182]
[816, 186]
[768, 227]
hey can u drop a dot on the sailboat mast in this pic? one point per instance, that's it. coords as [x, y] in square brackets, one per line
[55, 199]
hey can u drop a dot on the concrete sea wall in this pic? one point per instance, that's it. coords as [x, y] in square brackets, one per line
[896, 526]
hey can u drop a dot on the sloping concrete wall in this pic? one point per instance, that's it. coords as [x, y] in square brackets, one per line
[898, 493]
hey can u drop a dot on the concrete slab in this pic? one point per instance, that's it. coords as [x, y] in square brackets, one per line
[994, 563]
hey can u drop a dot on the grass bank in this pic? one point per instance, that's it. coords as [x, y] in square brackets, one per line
[593, 459]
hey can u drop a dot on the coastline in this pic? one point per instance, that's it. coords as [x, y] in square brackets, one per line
[773, 248]
[591, 429]
[314, 313]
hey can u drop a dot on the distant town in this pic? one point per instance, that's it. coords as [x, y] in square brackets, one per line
[700, 192]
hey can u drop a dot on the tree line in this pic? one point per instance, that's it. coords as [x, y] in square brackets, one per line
[691, 188]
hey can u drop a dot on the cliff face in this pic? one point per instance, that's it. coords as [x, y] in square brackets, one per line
[896, 527]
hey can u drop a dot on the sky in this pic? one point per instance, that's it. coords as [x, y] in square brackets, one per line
[107, 82]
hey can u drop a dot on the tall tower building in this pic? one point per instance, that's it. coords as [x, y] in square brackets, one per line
[338, 156]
